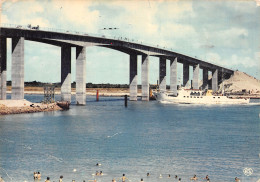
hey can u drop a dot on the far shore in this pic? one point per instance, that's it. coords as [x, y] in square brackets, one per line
[113, 92]
[106, 92]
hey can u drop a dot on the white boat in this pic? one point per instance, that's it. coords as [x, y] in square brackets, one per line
[193, 96]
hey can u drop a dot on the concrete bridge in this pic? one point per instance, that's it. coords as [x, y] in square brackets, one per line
[66, 40]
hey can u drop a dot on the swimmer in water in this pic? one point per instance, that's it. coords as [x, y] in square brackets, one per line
[48, 179]
[179, 179]
[148, 174]
[60, 180]
[113, 180]
[34, 175]
[160, 176]
[207, 178]
[142, 179]
[194, 178]
[176, 177]
[97, 173]
[123, 178]
[1, 179]
[100, 173]
[93, 180]
[39, 176]
[169, 176]
[237, 179]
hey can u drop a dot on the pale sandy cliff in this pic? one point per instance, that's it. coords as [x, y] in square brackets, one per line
[240, 81]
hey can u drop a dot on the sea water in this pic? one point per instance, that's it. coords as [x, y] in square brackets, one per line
[145, 137]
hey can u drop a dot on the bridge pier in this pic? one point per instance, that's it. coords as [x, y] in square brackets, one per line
[81, 75]
[2, 68]
[205, 84]
[145, 77]
[133, 77]
[173, 76]
[66, 73]
[18, 68]
[195, 79]
[215, 80]
[186, 74]
[162, 74]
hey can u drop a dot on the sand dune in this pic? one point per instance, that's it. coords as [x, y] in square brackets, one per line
[241, 81]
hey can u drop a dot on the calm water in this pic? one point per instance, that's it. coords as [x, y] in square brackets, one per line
[144, 137]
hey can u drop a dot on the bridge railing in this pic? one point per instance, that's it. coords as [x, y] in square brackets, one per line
[125, 39]
[121, 38]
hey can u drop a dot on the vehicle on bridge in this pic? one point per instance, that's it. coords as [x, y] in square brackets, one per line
[196, 96]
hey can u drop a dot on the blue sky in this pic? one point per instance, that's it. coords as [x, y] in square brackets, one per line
[220, 32]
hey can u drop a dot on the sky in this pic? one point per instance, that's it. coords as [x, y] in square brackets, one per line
[226, 33]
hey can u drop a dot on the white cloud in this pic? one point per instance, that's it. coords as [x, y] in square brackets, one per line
[179, 31]
[226, 38]
[234, 61]
[78, 14]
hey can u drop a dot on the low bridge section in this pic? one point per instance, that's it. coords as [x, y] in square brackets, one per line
[81, 41]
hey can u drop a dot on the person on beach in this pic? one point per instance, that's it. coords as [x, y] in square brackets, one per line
[48, 179]
[60, 180]
[1, 179]
[194, 178]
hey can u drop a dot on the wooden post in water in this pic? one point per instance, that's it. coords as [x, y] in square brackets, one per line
[97, 96]
[125, 100]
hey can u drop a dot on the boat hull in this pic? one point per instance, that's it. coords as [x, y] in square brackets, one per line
[164, 97]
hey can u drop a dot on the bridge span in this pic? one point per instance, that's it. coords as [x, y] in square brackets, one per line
[81, 41]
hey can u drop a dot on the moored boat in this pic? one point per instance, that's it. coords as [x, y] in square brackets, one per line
[64, 104]
[194, 96]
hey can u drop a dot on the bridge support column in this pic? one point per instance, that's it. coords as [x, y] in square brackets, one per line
[173, 76]
[81, 75]
[215, 80]
[195, 80]
[162, 74]
[145, 77]
[18, 68]
[186, 74]
[205, 79]
[2, 68]
[66, 73]
[133, 77]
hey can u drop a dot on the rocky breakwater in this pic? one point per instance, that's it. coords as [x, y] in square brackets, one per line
[24, 106]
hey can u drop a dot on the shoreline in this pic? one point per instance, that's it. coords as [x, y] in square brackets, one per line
[8, 107]
[121, 93]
